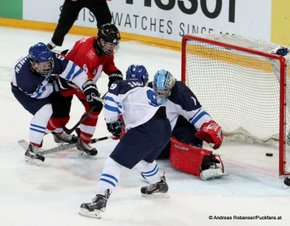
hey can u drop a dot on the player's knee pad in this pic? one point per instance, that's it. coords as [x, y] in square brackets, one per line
[44, 113]
[187, 158]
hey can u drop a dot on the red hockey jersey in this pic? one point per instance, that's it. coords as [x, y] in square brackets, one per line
[84, 55]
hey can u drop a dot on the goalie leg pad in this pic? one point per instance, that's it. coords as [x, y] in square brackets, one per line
[187, 158]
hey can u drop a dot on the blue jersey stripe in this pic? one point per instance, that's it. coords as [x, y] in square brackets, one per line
[198, 117]
[111, 108]
[69, 74]
[77, 73]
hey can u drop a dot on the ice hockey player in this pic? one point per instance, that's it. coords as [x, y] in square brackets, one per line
[95, 55]
[37, 77]
[147, 132]
[191, 125]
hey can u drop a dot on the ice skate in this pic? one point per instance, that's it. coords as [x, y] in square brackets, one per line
[32, 157]
[211, 168]
[158, 189]
[50, 45]
[86, 149]
[63, 137]
[97, 207]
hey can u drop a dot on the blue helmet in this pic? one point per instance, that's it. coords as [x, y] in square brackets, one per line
[137, 73]
[41, 59]
[163, 83]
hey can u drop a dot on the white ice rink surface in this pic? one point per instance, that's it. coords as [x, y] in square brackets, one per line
[51, 194]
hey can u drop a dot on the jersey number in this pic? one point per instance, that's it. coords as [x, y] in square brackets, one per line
[152, 98]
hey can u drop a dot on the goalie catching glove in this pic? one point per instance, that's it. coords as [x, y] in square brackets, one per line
[91, 91]
[211, 133]
[115, 128]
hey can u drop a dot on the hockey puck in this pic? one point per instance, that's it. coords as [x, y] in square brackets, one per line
[269, 154]
[287, 181]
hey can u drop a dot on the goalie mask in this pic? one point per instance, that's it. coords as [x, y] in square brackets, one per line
[108, 39]
[162, 84]
[137, 73]
[41, 59]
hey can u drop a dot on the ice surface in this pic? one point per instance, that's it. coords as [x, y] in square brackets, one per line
[51, 194]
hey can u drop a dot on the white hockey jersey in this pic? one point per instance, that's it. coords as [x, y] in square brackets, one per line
[136, 103]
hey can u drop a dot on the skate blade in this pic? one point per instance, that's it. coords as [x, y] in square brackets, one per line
[156, 195]
[94, 214]
[84, 155]
[33, 162]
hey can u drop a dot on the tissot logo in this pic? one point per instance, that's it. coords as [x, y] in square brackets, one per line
[191, 6]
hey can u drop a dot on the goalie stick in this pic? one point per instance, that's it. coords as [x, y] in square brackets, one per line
[24, 144]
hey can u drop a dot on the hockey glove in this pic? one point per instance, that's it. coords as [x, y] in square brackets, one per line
[115, 128]
[90, 90]
[283, 51]
[59, 84]
[115, 76]
[211, 133]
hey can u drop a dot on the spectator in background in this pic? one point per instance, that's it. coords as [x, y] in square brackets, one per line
[69, 13]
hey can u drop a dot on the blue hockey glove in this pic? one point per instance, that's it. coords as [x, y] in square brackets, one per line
[115, 128]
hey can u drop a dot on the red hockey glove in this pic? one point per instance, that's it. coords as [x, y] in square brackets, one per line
[211, 133]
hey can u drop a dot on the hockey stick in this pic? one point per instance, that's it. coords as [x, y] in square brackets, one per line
[84, 116]
[24, 144]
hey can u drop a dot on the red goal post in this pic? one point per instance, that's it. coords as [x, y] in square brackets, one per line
[243, 86]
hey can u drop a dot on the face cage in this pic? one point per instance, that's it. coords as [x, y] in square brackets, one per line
[163, 93]
[43, 68]
[108, 48]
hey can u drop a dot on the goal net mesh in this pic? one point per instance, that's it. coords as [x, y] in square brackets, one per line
[238, 82]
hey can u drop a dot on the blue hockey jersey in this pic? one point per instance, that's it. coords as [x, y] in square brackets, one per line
[37, 86]
[182, 102]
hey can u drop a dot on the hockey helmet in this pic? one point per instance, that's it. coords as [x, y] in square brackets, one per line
[163, 83]
[108, 38]
[137, 73]
[41, 59]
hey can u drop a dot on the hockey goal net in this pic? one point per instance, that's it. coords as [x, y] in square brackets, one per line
[243, 86]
